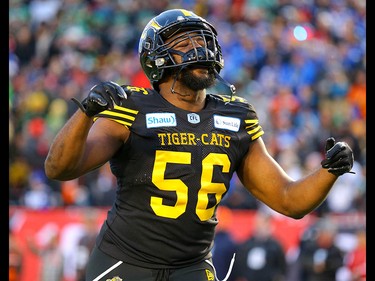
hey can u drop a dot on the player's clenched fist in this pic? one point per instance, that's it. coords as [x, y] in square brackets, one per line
[339, 157]
[101, 97]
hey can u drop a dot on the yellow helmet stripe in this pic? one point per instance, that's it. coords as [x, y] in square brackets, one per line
[155, 25]
[186, 12]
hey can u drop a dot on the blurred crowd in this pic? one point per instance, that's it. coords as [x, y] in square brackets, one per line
[303, 90]
[301, 63]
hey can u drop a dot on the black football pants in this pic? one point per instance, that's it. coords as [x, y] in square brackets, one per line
[102, 267]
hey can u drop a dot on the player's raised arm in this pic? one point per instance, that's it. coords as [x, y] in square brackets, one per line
[268, 182]
[82, 145]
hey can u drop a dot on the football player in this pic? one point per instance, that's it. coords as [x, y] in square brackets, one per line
[173, 149]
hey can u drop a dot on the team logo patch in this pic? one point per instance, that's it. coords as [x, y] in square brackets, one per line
[114, 279]
[193, 118]
[227, 123]
[210, 275]
[154, 120]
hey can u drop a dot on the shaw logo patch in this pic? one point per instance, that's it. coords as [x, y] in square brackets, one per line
[154, 120]
[193, 118]
[210, 275]
[228, 123]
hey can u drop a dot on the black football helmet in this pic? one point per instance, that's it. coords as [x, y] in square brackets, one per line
[155, 55]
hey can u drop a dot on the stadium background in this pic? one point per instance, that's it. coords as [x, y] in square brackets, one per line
[302, 64]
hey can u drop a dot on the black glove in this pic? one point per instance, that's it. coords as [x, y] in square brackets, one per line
[339, 157]
[101, 97]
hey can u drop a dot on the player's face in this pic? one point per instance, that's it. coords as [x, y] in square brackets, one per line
[195, 77]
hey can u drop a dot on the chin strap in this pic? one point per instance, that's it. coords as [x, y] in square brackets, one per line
[174, 81]
[231, 87]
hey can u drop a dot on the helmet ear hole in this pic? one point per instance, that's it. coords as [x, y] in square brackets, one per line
[147, 45]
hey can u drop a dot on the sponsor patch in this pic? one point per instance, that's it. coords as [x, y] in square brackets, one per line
[227, 123]
[154, 120]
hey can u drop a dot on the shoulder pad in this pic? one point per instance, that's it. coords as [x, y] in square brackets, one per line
[129, 90]
[234, 99]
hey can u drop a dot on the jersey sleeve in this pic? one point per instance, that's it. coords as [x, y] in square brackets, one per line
[126, 113]
[250, 117]
[120, 114]
[252, 126]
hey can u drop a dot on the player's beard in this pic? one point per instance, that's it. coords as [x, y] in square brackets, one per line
[195, 81]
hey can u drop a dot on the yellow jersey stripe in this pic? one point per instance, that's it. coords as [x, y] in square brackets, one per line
[252, 121]
[254, 130]
[116, 119]
[119, 108]
[117, 114]
[257, 135]
[122, 115]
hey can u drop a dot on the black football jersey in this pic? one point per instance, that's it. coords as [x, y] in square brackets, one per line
[172, 173]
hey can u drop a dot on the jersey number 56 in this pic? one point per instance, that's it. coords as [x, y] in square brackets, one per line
[207, 186]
